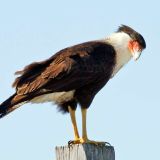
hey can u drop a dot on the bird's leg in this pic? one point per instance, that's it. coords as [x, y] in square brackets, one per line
[84, 138]
[74, 123]
[84, 121]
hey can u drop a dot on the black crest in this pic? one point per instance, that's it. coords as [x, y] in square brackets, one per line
[133, 34]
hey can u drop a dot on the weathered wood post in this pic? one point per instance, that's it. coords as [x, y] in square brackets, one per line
[85, 152]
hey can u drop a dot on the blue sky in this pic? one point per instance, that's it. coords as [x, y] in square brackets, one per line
[125, 112]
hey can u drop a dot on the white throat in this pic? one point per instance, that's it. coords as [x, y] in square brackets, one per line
[120, 43]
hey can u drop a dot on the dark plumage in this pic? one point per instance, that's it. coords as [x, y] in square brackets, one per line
[85, 68]
[75, 75]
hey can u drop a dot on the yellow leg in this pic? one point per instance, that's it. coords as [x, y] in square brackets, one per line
[84, 127]
[84, 138]
[74, 123]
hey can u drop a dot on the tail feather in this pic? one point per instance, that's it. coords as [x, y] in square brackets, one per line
[10, 105]
[15, 101]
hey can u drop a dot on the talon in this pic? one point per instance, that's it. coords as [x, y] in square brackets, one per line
[76, 141]
[69, 142]
[82, 141]
[107, 143]
[96, 143]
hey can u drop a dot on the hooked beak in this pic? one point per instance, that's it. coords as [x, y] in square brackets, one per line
[136, 55]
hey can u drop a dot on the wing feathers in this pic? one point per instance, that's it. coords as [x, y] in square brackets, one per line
[67, 66]
[50, 73]
[31, 72]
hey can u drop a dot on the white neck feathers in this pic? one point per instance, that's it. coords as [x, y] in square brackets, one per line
[120, 42]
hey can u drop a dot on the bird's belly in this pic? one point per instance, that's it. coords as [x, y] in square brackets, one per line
[57, 97]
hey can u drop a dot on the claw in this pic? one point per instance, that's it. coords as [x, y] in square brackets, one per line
[82, 141]
[107, 143]
[69, 142]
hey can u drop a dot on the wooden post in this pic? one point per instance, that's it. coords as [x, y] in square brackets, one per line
[85, 152]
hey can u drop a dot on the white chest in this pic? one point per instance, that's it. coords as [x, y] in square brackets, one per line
[122, 57]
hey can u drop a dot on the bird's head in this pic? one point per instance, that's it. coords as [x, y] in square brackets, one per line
[136, 43]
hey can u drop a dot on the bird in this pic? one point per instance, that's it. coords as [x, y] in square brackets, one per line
[74, 75]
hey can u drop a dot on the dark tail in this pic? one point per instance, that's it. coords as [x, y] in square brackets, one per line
[10, 104]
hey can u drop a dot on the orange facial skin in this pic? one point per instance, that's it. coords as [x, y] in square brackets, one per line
[134, 46]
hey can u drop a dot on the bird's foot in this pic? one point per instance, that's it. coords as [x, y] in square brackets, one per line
[85, 140]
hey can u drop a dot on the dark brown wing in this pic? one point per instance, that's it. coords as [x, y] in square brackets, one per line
[69, 69]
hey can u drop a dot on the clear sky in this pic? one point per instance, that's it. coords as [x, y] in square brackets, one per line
[126, 112]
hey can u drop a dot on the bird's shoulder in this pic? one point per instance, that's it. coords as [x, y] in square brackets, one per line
[98, 47]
